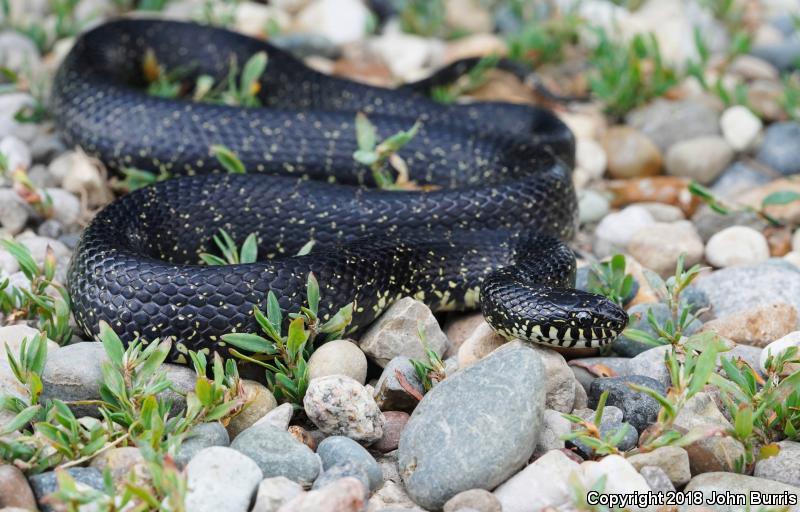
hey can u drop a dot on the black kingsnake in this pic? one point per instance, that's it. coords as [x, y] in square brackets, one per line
[491, 235]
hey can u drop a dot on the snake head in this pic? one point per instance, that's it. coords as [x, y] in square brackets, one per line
[600, 322]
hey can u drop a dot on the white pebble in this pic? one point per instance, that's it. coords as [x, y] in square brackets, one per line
[616, 229]
[341, 21]
[740, 127]
[16, 153]
[592, 206]
[590, 156]
[736, 245]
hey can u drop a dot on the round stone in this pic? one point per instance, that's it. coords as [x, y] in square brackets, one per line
[737, 245]
[338, 357]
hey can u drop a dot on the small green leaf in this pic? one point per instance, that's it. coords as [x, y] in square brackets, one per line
[112, 344]
[780, 197]
[249, 251]
[366, 134]
[249, 342]
[312, 291]
[20, 420]
[228, 159]
[306, 249]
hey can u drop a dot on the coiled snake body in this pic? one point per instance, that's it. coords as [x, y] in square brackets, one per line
[490, 235]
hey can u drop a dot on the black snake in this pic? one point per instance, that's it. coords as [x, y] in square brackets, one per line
[491, 235]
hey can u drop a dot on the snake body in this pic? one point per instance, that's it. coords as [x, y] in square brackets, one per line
[490, 235]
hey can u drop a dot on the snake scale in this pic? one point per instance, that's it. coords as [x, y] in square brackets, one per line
[490, 235]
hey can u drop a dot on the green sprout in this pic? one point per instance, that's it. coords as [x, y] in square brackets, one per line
[589, 432]
[610, 280]
[376, 155]
[231, 254]
[431, 371]
[285, 357]
[475, 78]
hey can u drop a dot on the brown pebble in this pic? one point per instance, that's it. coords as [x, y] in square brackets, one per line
[14, 489]
[392, 428]
[303, 436]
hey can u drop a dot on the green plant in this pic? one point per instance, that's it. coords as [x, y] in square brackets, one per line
[423, 17]
[162, 489]
[779, 197]
[376, 155]
[284, 357]
[544, 41]
[589, 432]
[681, 314]
[231, 255]
[764, 410]
[475, 78]
[627, 76]
[134, 179]
[44, 301]
[431, 371]
[691, 365]
[610, 280]
[740, 45]
[237, 89]
[228, 159]
[790, 99]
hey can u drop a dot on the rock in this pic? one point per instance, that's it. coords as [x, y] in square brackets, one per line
[714, 452]
[672, 459]
[50, 228]
[13, 335]
[66, 207]
[408, 56]
[16, 153]
[782, 55]
[475, 428]
[14, 489]
[740, 127]
[339, 449]
[657, 479]
[10, 104]
[343, 470]
[252, 19]
[475, 45]
[45, 483]
[390, 394]
[737, 178]
[343, 495]
[736, 289]
[708, 223]
[752, 68]
[396, 333]
[391, 498]
[661, 244]
[468, 16]
[758, 326]
[8, 265]
[277, 453]
[554, 427]
[219, 478]
[483, 341]
[728, 483]
[630, 153]
[18, 52]
[543, 483]
[338, 357]
[80, 175]
[274, 492]
[587, 369]
[64, 380]
[662, 212]
[278, 417]
[782, 467]
[750, 355]
[639, 409]
[621, 476]
[479, 500]
[638, 320]
[260, 401]
[120, 462]
[778, 347]
[591, 157]
[616, 229]
[701, 159]
[777, 150]
[38, 245]
[395, 422]
[559, 380]
[766, 98]
[202, 436]
[668, 122]
[13, 211]
[458, 327]
[341, 21]
[737, 245]
[592, 206]
[339, 405]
